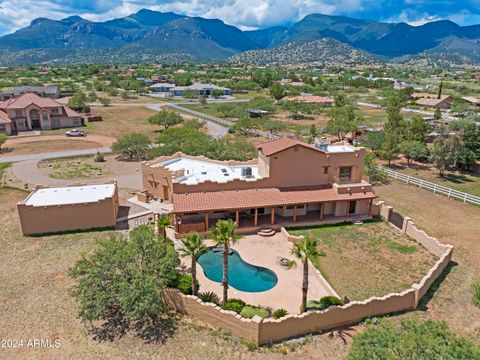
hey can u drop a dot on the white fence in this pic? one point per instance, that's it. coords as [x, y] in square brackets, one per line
[435, 188]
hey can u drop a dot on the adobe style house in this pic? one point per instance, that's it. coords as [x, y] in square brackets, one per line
[432, 100]
[290, 182]
[48, 210]
[312, 99]
[32, 112]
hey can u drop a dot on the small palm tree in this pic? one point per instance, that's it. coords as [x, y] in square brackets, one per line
[164, 222]
[224, 235]
[194, 246]
[304, 250]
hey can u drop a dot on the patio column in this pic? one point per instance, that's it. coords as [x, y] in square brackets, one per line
[272, 220]
[295, 213]
[370, 208]
[322, 209]
[347, 208]
[206, 220]
[237, 218]
[255, 219]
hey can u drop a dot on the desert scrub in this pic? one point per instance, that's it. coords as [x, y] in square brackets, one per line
[249, 312]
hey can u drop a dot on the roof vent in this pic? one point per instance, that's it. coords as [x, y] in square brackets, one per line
[321, 145]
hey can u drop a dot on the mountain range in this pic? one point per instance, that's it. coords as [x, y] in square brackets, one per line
[150, 36]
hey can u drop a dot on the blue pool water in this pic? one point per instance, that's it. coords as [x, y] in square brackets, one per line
[241, 275]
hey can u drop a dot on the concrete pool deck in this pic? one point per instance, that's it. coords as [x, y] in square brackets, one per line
[267, 252]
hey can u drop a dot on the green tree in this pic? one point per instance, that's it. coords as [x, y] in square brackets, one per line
[342, 122]
[395, 122]
[277, 91]
[216, 93]
[133, 146]
[224, 235]
[105, 101]
[340, 100]
[274, 126]
[413, 150]
[417, 129]
[305, 250]
[78, 102]
[445, 152]
[438, 114]
[122, 282]
[193, 245]
[374, 140]
[412, 339]
[390, 147]
[166, 119]
[164, 222]
[3, 139]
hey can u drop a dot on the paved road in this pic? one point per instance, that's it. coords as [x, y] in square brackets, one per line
[51, 155]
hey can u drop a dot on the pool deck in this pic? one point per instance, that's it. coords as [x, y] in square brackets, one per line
[267, 252]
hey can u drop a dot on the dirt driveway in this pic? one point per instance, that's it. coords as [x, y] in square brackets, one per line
[103, 141]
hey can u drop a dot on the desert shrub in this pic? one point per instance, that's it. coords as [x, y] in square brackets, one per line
[323, 303]
[476, 293]
[184, 284]
[209, 296]
[234, 305]
[279, 313]
[99, 157]
[250, 311]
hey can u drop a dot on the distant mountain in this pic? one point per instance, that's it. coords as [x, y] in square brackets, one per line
[321, 51]
[155, 36]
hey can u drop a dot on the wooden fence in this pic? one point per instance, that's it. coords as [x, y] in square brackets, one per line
[435, 188]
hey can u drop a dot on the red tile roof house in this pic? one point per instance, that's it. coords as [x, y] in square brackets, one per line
[290, 182]
[312, 99]
[32, 112]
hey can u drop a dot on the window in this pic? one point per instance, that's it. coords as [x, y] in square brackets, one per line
[325, 169]
[76, 122]
[345, 174]
[2, 127]
[55, 111]
[18, 112]
[45, 117]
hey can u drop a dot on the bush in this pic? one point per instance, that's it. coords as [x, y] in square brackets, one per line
[249, 312]
[279, 313]
[476, 293]
[184, 284]
[234, 305]
[99, 157]
[209, 296]
[323, 303]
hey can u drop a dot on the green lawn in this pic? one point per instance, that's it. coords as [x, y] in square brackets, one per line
[371, 259]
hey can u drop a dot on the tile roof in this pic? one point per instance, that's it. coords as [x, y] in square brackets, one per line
[251, 198]
[312, 99]
[27, 99]
[433, 102]
[4, 119]
[275, 146]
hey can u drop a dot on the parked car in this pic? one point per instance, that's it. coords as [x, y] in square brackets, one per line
[76, 132]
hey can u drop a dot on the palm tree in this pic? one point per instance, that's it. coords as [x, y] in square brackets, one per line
[224, 235]
[164, 222]
[304, 250]
[194, 246]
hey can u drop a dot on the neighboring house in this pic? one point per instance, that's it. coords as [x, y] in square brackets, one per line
[32, 112]
[312, 99]
[199, 89]
[48, 210]
[289, 182]
[443, 102]
[472, 100]
[159, 78]
[161, 87]
[43, 91]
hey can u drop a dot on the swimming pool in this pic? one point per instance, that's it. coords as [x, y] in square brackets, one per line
[241, 275]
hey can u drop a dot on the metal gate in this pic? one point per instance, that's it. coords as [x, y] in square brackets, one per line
[396, 219]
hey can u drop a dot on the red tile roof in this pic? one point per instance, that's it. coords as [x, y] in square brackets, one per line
[251, 198]
[312, 99]
[275, 146]
[27, 99]
[4, 119]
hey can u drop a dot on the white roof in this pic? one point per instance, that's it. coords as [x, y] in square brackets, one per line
[340, 149]
[70, 195]
[199, 171]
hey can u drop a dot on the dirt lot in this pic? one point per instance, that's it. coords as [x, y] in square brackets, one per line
[48, 146]
[382, 259]
[455, 223]
[35, 303]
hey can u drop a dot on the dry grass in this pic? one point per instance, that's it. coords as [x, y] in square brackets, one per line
[451, 222]
[382, 259]
[48, 146]
[35, 304]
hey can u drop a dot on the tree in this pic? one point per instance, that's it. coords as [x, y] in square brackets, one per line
[438, 114]
[340, 100]
[202, 99]
[217, 93]
[122, 282]
[166, 119]
[445, 152]
[411, 339]
[224, 235]
[105, 101]
[395, 120]
[274, 126]
[277, 91]
[193, 245]
[390, 147]
[374, 140]
[343, 121]
[306, 250]
[3, 139]
[78, 102]
[417, 129]
[164, 222]
[134, 146]
[413, 150]
[440, 88]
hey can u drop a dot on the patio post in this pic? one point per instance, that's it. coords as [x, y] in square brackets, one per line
[272, 220]
[237, 218]
[295, 213]
[255, 219]
[206, 220]
[322, 209]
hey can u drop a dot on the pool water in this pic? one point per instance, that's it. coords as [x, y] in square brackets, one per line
[241, 275]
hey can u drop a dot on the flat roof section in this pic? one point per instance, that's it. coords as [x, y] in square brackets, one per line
[70, 195]
[199, 171]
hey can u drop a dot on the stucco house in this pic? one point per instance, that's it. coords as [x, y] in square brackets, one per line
[43, 91]
[32, 112]
[289, 182]
[199, 89]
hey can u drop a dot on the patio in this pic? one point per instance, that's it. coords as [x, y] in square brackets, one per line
[267, 252]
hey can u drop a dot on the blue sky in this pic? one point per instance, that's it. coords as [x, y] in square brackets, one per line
[246, 14]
